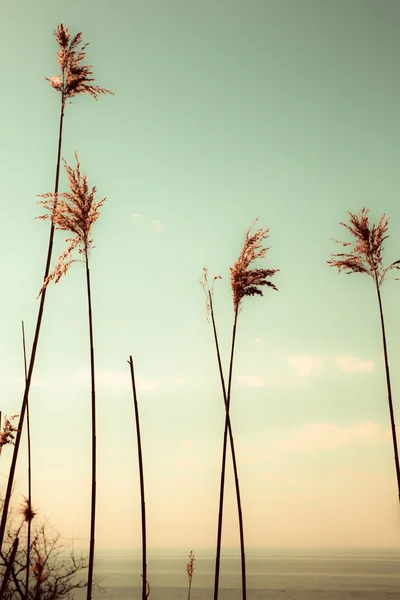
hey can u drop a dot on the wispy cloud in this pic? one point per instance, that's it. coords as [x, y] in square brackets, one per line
[358, 476]
[323, 436]
[306, 365]
[157, 225]
[117, 380]
[249, 381]
[37, 382]
[352, 364]
[179, 380]
[259, 340]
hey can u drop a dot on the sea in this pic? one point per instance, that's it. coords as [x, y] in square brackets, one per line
[272, 573]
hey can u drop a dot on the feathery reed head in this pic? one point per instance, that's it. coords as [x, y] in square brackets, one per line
[209, 291]
[245, 281]
[75, 78]
[75, 212]
[27, 511]
[7, 433]
[190, 565]
[365, 255]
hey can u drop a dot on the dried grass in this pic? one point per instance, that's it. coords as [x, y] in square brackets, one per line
[245, 281]
[366, 252]
[27, 511]
[7, 433]
[75, 212]
[75, 78]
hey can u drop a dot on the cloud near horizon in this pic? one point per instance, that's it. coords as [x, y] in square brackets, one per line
[325, 436]
[118, 380]
[352, 364]
[249, 381]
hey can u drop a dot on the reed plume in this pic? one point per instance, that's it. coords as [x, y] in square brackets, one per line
[365, 255]
[245, 281]
[27, 511]
[74, 78]
[189, 571]
[7, 433]
[76, 212]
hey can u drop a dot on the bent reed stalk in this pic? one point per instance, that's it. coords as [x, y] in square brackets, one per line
[75, 79]
[210, 309]
[145, 592]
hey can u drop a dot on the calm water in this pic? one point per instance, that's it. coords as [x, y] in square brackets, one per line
[271, 573]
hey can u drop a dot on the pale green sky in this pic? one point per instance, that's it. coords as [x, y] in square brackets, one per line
[224, 111]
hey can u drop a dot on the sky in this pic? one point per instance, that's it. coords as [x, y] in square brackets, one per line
[224, 111]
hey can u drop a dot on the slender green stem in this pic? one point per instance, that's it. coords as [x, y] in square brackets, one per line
[141, 476]
[33, 353]
[28, 427]
[389, 389]
[222, 485]
[93, 396]
[235, 471]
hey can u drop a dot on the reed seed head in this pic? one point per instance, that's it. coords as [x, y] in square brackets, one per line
[366, 253]
[190, 565]
[75, 212]
[245, 281]
[27, 511]
[75, 78]
[209, 291]
[7, 433]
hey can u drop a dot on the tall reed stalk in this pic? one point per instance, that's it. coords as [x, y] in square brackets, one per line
[210, 309]
[29, 499]
[244, 282]
[76, 212]
[74, 79]
[366, 256]
[141, 477]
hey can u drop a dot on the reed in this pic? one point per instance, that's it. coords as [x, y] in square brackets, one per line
[366, 256]
[74, 78]
[190, 570]
[27, 509]
[245, 281]
[76, 212]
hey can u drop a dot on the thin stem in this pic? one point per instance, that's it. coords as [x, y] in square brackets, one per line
[33, 353]
[239, 504]
[222, 485]
[9, 567]
[28, 426]
[93, 395]
[389, 388]
[190, 585]
[139, 443]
